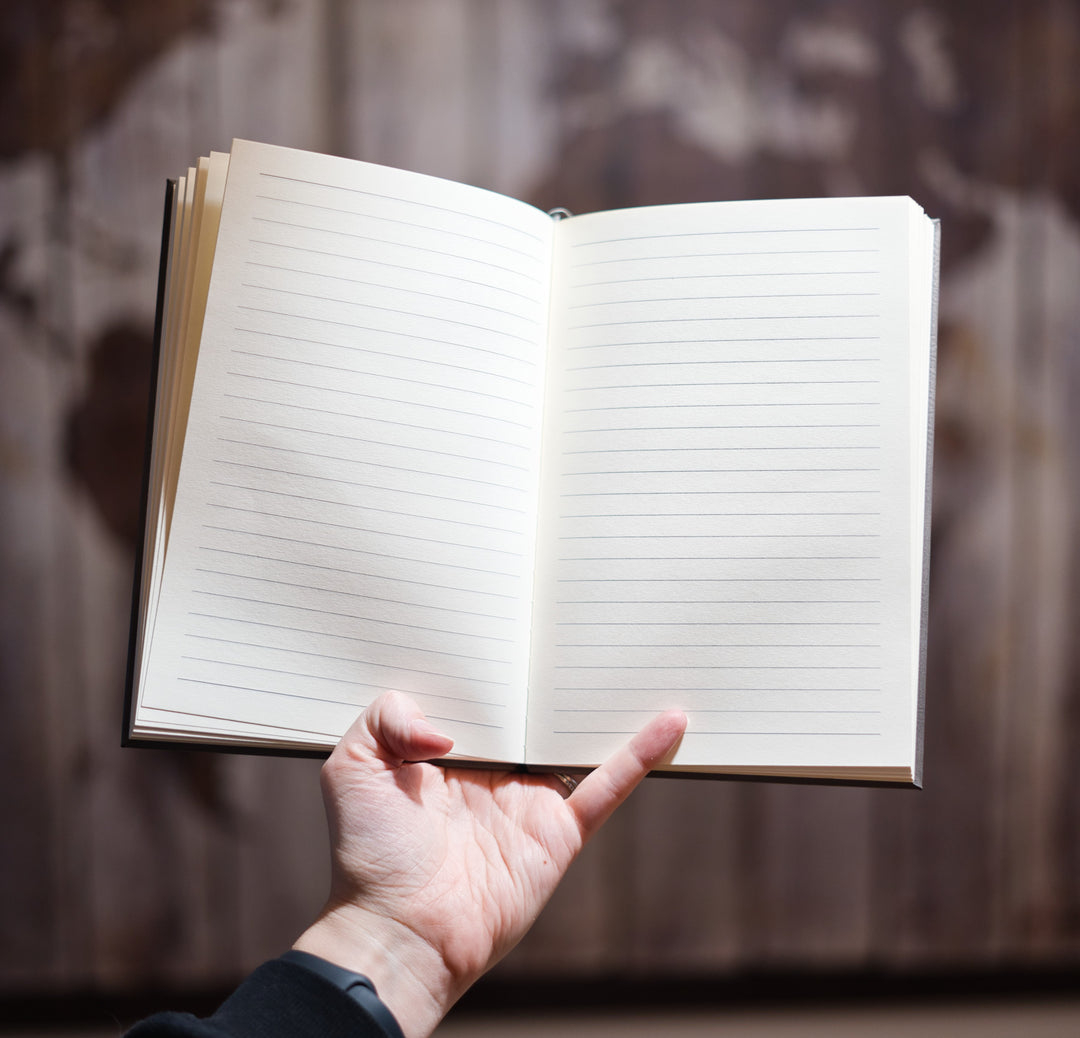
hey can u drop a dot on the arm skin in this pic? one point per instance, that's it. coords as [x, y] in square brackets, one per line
[438, 872]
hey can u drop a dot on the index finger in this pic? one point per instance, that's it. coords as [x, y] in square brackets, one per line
[604, 789]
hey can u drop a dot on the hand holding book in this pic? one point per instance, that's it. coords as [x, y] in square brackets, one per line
[438, 872]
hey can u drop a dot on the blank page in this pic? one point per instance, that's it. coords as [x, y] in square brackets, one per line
[356, 506]
[727, 493]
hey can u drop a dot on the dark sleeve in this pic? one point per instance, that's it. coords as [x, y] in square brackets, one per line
[278, 1000]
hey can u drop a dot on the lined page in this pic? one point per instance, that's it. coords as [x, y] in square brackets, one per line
[356, 506]
[727, 486]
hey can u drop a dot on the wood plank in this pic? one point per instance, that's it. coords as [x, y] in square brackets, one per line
[173, 852]
[411, 100]
[688, 865]
[1049, 248]
[29, 923]
[186, 869]
[1061, 62]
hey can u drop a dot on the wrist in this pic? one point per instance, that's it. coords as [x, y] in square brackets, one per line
[409, 975]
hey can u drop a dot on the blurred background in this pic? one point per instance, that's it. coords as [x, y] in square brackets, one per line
[130, 875]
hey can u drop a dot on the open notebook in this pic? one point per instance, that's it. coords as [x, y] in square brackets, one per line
[547, 476]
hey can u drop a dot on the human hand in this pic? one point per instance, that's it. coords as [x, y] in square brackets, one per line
[438, 872]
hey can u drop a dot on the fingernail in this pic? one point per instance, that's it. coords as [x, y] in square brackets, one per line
[422, 726]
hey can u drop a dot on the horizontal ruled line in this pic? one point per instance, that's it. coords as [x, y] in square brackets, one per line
[356, 573]
[709, 536]
[713, 515]
[747, 449]
[706, 688]
[734, 425]
[713, 404]
[365, 551]
[713, 340]
[411, 270]
[352, 616]
[376, 396]
[718, 623]
[726, 232]
[719, 645]
[379, 443]
[343, 681]
[726, 361]
[715, 297]
[440, 319]
[321, 699]
[366, 486]
[457, 456]
[699, 731]
[621, 560]
[411, 470]
[718, 580]
[715, 318]
[264, 691]
[756, 470]
[698, 277]
[606, 711]
[373, 530]
[352, 327]
[308, 362]
[353, 659]
[347, 594]
[378, 285]
[411, 646]
[423, 383]
[208, 715]
[397, 221]
[396, 243]
[469, 215]
[603, 603]
[701, 384]
[368, 418]
[366, 508]
[693, 493]
[696, 256]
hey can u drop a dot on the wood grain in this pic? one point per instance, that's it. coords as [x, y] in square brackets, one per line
[124, 868]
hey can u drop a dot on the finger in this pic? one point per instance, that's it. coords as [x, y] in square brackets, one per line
[393, 729]
[609, 785]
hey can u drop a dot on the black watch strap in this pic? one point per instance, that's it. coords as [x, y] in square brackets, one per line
[358, 987]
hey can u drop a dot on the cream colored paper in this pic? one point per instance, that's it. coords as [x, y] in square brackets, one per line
[354, 509]
[729, 481]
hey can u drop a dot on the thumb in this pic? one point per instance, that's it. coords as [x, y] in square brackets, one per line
[393, 729]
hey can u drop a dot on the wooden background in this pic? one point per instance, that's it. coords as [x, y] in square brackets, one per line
[121, 869]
